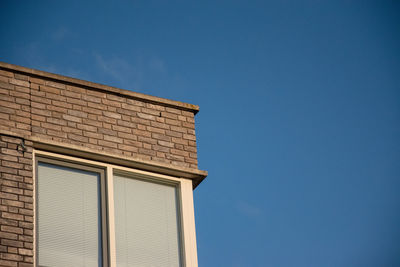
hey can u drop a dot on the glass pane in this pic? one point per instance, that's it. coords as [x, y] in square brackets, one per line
[69, 219]
[146, 223]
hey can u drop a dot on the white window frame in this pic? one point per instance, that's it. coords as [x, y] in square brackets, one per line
[184, 195]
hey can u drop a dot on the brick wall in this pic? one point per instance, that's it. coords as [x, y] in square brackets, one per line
[16, 207]
[82, 115]
[95, 119]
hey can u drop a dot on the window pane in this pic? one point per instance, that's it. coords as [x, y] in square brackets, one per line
[146, 223]
[69, 219]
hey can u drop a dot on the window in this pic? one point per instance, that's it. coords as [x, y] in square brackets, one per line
[69, 215]
[94, 214]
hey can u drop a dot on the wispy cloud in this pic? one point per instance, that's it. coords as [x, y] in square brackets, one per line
[158, 65]
[135, 74]
[34, 56]
[249, 210]
[120, 70]
[60, 34]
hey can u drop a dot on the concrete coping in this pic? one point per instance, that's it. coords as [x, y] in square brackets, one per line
[101, 87]
[196, 175]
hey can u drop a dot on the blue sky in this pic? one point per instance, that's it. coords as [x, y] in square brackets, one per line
[299, 112]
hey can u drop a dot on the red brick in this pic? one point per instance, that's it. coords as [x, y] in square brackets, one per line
[70, 94]
[27, 225]
[8, 157]
[41, 112]
[11, 190]
[130, 107]
[161, 148]
[174, 134]
[28, 262]
[55, 84]
[173, 110]
[92, 110]
[78, 138]
[72, 118]
[127, 136]
[27, 252]
[128, 148]
[13, 203]
[8, 235]
[137, 143]
[179, 129]
[21, 77]
[161, 137]
[7, 73]
[145, 116]
[12, 250]
[181, 118]
[113, 139]
[180, 141]
[140, 121]
[13, 177]
[20, 94]
[28, 232]
[36, 80]
[12, 216]
[107, 131]
[147, 152]
[116, 98]
[22, 101]
[61, 104]
[76, 89]
[169, 115]
[7, 98]
[19, 82]
[7, 86]
[56, 121]
[93, 135]
[121, 129]
[175, 157]
[8, 196]
[189, 137]
[87, 127]
[126, 124]
[8, 263]
[112, 115]
[26, 199]
[34, 86]
[57, 97]
[155, 130]
[25, 238]
[78, 113]
[166, 144]
[151, 111]
[173, 122]
[188, 114]
[106, 119]
[91, 99]
[11, 229]
[107, 144]
[142, 133]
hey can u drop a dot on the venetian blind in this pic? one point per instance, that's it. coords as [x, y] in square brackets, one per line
[69, 224]
[146, 223]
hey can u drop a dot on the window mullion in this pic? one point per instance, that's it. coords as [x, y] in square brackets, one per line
[111, 221]
[188, 223]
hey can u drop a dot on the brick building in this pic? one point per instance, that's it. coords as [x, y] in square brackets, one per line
[92, 175]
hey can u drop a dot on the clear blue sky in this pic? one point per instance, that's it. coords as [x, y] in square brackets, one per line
[299, 123]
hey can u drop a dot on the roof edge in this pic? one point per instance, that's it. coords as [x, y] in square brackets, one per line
[101, 87]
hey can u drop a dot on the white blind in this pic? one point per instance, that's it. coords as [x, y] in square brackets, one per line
[69, 227]
[146, 223]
